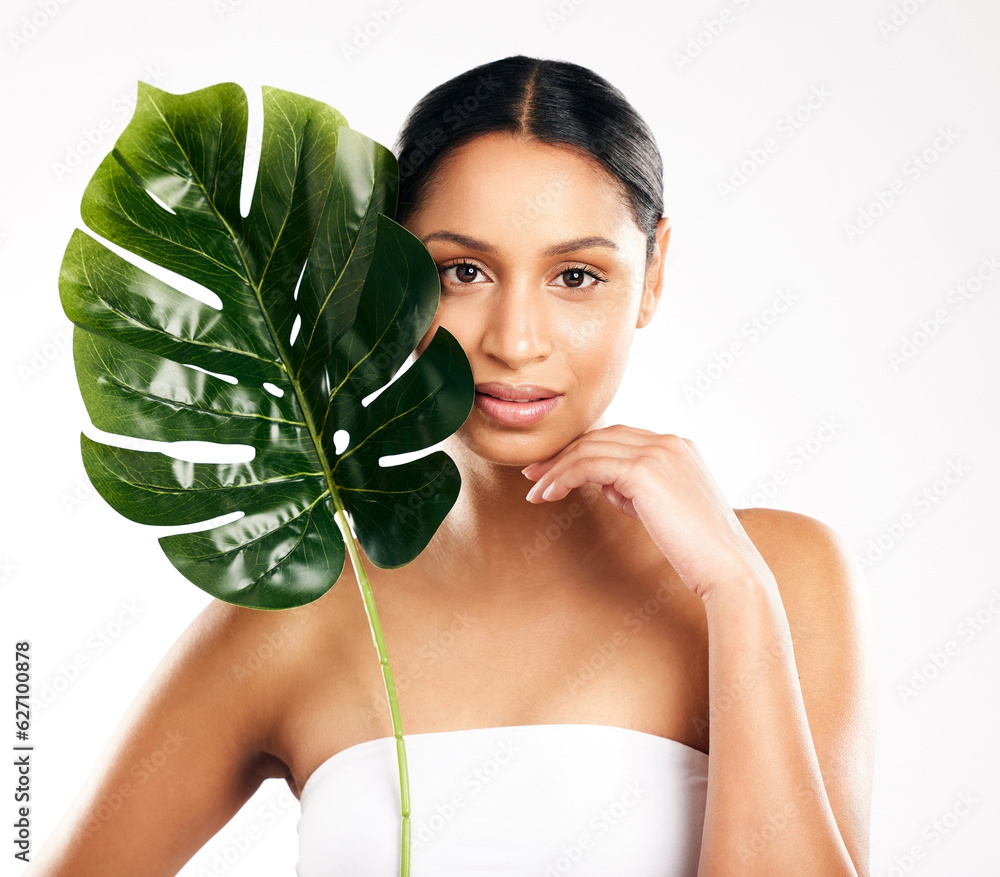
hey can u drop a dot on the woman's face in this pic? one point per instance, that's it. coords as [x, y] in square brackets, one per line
[543, 282]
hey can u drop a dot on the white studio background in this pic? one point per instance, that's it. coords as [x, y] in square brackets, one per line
[853, 266]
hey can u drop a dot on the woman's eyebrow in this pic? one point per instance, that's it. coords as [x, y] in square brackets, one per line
[569, 246]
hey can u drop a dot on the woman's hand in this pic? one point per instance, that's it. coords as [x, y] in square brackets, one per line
[662, 481]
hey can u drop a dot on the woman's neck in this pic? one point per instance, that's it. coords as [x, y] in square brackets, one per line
[494, 533]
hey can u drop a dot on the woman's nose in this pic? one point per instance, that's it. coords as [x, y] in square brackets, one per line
[516, 326]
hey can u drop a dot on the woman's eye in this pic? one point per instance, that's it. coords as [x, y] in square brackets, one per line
[465, 272]
[468, 273]
[576, 278]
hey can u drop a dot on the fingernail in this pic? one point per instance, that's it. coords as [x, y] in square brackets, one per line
[548, 490]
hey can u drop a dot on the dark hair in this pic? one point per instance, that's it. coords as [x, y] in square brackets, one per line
[552, 101]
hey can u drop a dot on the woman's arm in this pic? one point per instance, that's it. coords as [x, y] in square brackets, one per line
[791, 693]
[184, 759]
[791, 708]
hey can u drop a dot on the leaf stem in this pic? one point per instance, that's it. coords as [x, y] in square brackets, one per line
[390, 686]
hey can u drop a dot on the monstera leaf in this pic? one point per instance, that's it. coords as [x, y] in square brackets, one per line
[323, 299]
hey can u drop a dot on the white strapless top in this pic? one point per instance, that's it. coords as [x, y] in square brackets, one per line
[518, 801]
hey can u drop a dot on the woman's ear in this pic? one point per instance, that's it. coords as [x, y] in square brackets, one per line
[654, 274]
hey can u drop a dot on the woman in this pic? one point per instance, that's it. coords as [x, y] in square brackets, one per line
[620, 675]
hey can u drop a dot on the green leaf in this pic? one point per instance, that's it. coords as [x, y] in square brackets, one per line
[323, 297]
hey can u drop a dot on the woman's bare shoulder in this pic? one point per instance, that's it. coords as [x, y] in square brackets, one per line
[190, 750]
[268, 661]
[798, 546]
[818, 576]
[825, 599]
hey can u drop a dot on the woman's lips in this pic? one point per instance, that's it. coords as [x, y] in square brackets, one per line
[515, 413]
